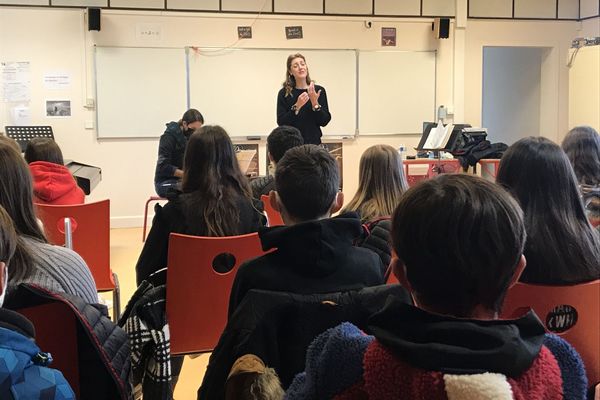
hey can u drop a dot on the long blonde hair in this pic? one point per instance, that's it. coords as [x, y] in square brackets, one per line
[381, 183]
[290, 82]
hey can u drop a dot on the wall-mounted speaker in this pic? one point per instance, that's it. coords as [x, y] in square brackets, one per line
[441, 27]
[93, 19]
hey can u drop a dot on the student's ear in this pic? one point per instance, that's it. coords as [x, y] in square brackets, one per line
[518, 271]
[270, 156]
[399, 271]
[338, 203]
[274, 201]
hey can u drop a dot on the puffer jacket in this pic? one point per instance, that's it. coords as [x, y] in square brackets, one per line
[103, 348]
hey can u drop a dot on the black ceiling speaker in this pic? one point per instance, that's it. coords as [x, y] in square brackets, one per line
[93, 19]
[441, 27]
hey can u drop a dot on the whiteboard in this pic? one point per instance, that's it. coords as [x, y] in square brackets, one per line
[139, 90]
[237, 88]
[396, 91]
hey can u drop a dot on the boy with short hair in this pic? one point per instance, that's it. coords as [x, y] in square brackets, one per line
[280, 140]
[24, 371]
[314, 253]
[459, 243]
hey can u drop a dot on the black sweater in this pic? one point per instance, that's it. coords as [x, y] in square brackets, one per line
[172, 219]
[311, 257]
[309, 122]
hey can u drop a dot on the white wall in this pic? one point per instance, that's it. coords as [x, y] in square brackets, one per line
[58, 40]
[511, 92]
[590, 27]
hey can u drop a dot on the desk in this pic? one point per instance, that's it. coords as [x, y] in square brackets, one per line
[430, 166]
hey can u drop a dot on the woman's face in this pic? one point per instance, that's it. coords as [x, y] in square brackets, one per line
[298, 68]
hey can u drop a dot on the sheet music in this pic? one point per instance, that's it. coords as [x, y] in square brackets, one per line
[438, 136]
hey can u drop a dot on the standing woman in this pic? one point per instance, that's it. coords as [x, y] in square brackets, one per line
[301, 103]
[169, 166]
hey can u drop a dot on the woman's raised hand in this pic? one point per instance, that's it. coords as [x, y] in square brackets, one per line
[313, 94]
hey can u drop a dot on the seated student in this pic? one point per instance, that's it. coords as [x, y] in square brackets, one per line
[52, 181]
[381, 182]
[314, 252]
[280, 140]
[216, 200]
[171, 148]
[562, 248]
[24, 372]
[55, 268]
[582, 146]
[459, 242]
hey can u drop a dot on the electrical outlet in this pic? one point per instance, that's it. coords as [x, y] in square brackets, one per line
[90, 103]
[89, 124]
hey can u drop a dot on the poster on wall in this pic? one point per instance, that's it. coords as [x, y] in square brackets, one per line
[16, 81]
[247, 155]
[57, 80]
[58, 108]
[21, 116]
[388, 36]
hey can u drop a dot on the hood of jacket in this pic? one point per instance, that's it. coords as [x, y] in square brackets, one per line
[317, 246]
[173, 129]
[458, 346]
[52, 181]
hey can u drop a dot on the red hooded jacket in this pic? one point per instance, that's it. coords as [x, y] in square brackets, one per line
[53, 184]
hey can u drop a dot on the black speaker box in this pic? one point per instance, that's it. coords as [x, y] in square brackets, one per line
[93, 19]
[442, 28]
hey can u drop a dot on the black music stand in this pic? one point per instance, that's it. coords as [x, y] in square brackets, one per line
[23, 134]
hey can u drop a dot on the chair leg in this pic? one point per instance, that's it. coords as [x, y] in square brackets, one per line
[116, 299]
[145, 219]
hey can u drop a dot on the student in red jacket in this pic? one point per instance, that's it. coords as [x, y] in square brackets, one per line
[52, 181]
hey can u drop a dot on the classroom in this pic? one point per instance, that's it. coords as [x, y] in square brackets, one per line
[516, 67]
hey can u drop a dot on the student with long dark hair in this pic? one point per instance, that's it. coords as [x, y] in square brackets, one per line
[582, 146]
[562, 247]
[52, 181]
[171, 149]
[216, 199]
[55, 268]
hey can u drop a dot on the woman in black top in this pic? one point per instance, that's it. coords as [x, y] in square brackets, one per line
[216, 200]
[301, 103]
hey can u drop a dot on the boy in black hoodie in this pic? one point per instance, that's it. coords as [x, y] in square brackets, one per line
[314, 253]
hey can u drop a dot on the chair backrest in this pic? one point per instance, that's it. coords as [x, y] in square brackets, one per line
[572, 312]
[56, 333]
[91, 235]
[197, 294]
[273, 217]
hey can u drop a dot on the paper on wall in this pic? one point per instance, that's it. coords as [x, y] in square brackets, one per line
[57, 80]
[21, 116]
[16, 81]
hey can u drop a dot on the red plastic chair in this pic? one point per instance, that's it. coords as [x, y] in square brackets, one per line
[56, 333]
[572, 312]
[90, 236]
[273, 217]
[197, 295]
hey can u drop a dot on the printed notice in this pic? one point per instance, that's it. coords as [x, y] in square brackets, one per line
[388, 36]
[244, 32]
[57, 80]
[293, 32]
[16, 81]
[21, 116]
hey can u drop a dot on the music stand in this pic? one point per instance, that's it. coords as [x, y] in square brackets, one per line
[23, 134]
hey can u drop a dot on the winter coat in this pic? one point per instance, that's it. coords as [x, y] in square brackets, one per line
[414, 354]
[310, 257]
[103, 349]
[24, 371]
